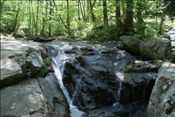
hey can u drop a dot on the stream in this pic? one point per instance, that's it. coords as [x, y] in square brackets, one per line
[100, 81]
[171, 33]
[58, 59]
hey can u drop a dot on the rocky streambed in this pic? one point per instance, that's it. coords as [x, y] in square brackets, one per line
[101, 80]
[106, 81]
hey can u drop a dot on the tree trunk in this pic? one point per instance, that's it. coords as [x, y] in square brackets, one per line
[82, 9]
[37, 17]
[44, 18]
[123, 8]
[128, 25]
[162, 17]
[50, 19]
[30, 19]
[140, 22]
[79, 10]
[118, 14]
[91, 10]
[88, 10]
[105, 14]
[16, 19]
[68, 18]
[1, 5]
[59, 16]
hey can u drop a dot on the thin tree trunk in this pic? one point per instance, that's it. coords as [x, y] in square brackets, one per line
[82, 11]
[162, 18]
[79, 10]
[140, 22]
[34, 21]
[16, 19]
[123, 9]
[105, 14]
[68, 18]
[50, 19]
[30, 18]
[128, 25]
[88, 10]
[44, 19]
[91, 10]
[37, 17]
[59, 16]
[118, 14]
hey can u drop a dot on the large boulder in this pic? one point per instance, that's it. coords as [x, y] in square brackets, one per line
[11, 72]
[99, 79]
[130, 44]
[156, 49]
[56, 99]
[21, 59]
[162, 100]
[24, 90]
[23, 99]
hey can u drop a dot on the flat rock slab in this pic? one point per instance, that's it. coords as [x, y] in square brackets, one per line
[22, 99]
[162, 100]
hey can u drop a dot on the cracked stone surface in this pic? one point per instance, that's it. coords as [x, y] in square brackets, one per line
[162, 100]
[24, 98]
[22, 93]
[156, 49]
[19, 58]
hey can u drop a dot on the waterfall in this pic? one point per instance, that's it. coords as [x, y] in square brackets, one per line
[119, 91]
[58, 58]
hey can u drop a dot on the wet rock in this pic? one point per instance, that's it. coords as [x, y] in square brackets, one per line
[162, 100]
[54, 95]
[107, 76]
[119, 110]
[156, 49]
[126, 93]
[137, 77]
[43, 39]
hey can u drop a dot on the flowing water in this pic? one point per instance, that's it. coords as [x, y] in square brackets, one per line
[171, 33]
[58, 59]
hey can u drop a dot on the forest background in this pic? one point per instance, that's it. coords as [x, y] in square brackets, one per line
[87, 19]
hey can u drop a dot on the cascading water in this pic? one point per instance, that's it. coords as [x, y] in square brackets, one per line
[58, 58]
[171, 33]
[119, 90]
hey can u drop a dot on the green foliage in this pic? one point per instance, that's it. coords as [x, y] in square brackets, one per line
[43, 72]
[28, 73]
[100, 33]
[10, 36]
[36, 18]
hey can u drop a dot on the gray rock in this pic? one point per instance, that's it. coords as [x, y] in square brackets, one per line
[55, 97]
[24, 98]
[106, 77]
[21, 59]
[162, 100]
[11, 72]
[130, 44]
[29, 97]
[34, 62]
[156, 49]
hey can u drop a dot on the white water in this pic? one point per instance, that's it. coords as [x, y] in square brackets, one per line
[119, 91]
[58, 62]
